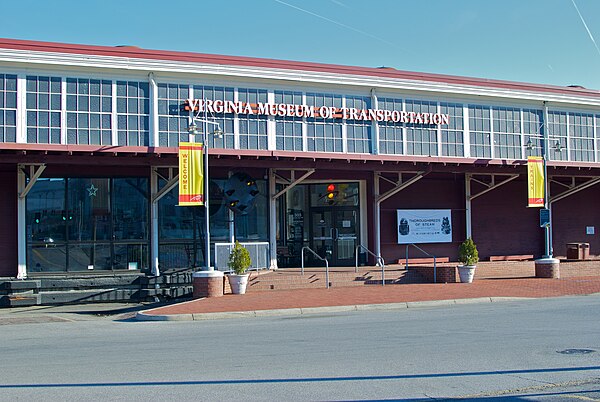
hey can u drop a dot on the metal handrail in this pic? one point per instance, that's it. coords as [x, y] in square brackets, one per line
[427, 254]
[378, 258]
[320, 258]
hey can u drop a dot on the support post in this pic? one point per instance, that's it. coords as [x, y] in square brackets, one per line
[21, 225]
[154, 248]
[272, 220]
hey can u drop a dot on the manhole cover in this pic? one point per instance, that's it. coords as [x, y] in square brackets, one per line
[575, 351]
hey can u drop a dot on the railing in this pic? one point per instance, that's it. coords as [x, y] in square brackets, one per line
[259, 255]
[378, 258]
[320, 258]
[427, 254]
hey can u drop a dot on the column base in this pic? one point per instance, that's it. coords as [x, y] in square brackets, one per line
[207, 284]
[547, 268]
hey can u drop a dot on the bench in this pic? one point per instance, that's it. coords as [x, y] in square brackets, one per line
[523, 257]
[424, 260]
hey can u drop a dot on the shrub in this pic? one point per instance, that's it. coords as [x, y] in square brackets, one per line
[467, 252]
[239, 259]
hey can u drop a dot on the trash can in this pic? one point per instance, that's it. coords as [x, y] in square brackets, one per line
[578, 251]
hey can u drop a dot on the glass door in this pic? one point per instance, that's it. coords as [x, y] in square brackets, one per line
[335, 234]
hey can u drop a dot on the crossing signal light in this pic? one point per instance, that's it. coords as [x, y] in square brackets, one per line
[38, 217]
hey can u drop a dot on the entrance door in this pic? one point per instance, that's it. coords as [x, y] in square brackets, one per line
[335, 234]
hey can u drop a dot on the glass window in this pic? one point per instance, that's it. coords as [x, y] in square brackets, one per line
[324, 135]
[133, 113]
[288, 130]
[43, 109]
[421, 139]
[557, 134]
[581, 137]
[480, 131]
[225, 120]
[358, 133]
[391, 135]
[172, 119]
[79, 224]
[453, 133]
[507, 133]
[8, 108]
[84, 100]
[252, 128]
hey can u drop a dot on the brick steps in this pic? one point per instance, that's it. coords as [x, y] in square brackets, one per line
[287, 279]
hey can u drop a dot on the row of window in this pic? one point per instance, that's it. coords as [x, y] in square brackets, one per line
[105, 112]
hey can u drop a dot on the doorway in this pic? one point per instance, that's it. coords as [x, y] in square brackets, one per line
[335, 234]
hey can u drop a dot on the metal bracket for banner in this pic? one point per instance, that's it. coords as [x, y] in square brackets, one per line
[490, 186]
[574, 189]
[292, 183]
[171, 183]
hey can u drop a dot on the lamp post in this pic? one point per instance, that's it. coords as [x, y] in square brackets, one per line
[547, 266]
[193, 130]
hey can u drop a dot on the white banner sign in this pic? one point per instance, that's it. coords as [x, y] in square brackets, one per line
[424, 226]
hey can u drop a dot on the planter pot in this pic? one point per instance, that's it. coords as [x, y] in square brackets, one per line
[466, 273]
[238, 283]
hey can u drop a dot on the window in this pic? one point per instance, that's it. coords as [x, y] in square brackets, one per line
[557, 133]
[253, 128]
[133, 113]
[532, 129]
[172, 119]
[390, 133]
[453, 133]
[507, 133]
[324, 135]
[581, 134]
[89, 108]
[83, 224]
[480, 131]
[288, 130]
[421, 139]
[8, 108]
[225, 120]
[358, 133]
[43, 109]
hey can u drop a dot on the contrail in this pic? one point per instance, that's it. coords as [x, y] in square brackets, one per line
[585, 25]
[337, 23]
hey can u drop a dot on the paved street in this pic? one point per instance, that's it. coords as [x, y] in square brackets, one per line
[546, 349]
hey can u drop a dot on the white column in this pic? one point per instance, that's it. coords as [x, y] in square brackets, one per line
[377, 217]
[468, 205]
[153, 121]
[272, 219]
[154, 249]
[21, 225]
[21, 122]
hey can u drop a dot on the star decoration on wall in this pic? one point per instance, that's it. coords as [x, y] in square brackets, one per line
[92, 190]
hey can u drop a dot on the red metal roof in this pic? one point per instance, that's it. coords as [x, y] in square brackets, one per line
[389, 73]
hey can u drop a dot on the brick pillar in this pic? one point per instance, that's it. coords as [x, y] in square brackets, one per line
[547, 268]
[207, 284]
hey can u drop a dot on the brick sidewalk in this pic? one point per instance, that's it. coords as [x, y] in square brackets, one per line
[376, 294]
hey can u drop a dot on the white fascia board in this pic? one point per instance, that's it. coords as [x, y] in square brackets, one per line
[301, 76]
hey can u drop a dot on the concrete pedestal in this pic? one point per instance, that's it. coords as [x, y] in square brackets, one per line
[547, 268]
[207, 284]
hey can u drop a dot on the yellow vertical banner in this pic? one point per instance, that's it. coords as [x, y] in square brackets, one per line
[191, 174]
[535, 181]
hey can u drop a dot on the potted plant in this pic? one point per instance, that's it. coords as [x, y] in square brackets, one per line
[239, 262]
[468, 256]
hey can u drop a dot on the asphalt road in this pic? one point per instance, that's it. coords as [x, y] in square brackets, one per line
[539, 350]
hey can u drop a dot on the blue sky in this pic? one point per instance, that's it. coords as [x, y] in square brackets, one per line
[538, 41]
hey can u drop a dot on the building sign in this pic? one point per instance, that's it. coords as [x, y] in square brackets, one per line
[319, 112]
[535, 181]
[191, 174]
[424, 226]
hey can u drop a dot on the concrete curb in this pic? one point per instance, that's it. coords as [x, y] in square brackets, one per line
[144, 316]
